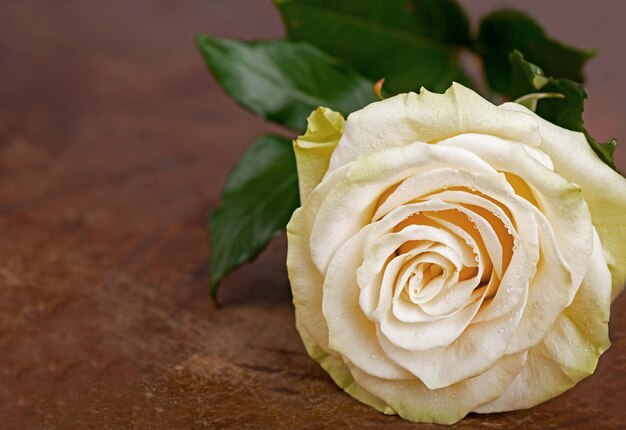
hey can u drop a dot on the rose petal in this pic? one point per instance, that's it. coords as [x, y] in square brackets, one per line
[414, 401]
[570, 350]
[350, 205]
[306, 281]
[476, 349]
[369, 275]
[349, 332]
[565, 229]
[428, 117]
[314, 148]
[560, 201]
[603, 189]
[423, 335]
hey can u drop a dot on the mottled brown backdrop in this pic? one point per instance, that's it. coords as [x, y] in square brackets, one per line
[114, 144]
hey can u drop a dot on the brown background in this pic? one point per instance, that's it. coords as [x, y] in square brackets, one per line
[114, 143]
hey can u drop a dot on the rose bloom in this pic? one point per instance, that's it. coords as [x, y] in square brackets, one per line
[453, 256]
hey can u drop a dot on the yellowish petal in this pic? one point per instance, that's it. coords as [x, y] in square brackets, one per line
[314, 148]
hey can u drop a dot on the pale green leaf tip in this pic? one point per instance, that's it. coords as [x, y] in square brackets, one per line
[540, 81]
[530, 101]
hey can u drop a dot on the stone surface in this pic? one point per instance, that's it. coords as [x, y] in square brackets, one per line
[114, 144]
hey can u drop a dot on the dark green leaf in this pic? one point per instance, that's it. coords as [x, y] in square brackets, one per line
[528, 78]
[606, 150]
[410, 43]
[506, 30]
[525, 77]
[566, 112]
[260, 195]
[284, 81]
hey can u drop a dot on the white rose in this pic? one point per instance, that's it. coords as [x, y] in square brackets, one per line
[453, 256]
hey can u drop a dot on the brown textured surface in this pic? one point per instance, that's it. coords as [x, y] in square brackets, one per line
[114, 143]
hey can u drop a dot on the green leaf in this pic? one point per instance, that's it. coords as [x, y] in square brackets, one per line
[284, 81]
[506, 30]
[528, 78]
[565, 111]
[260, 195]
[606, 150]
[410, 43]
